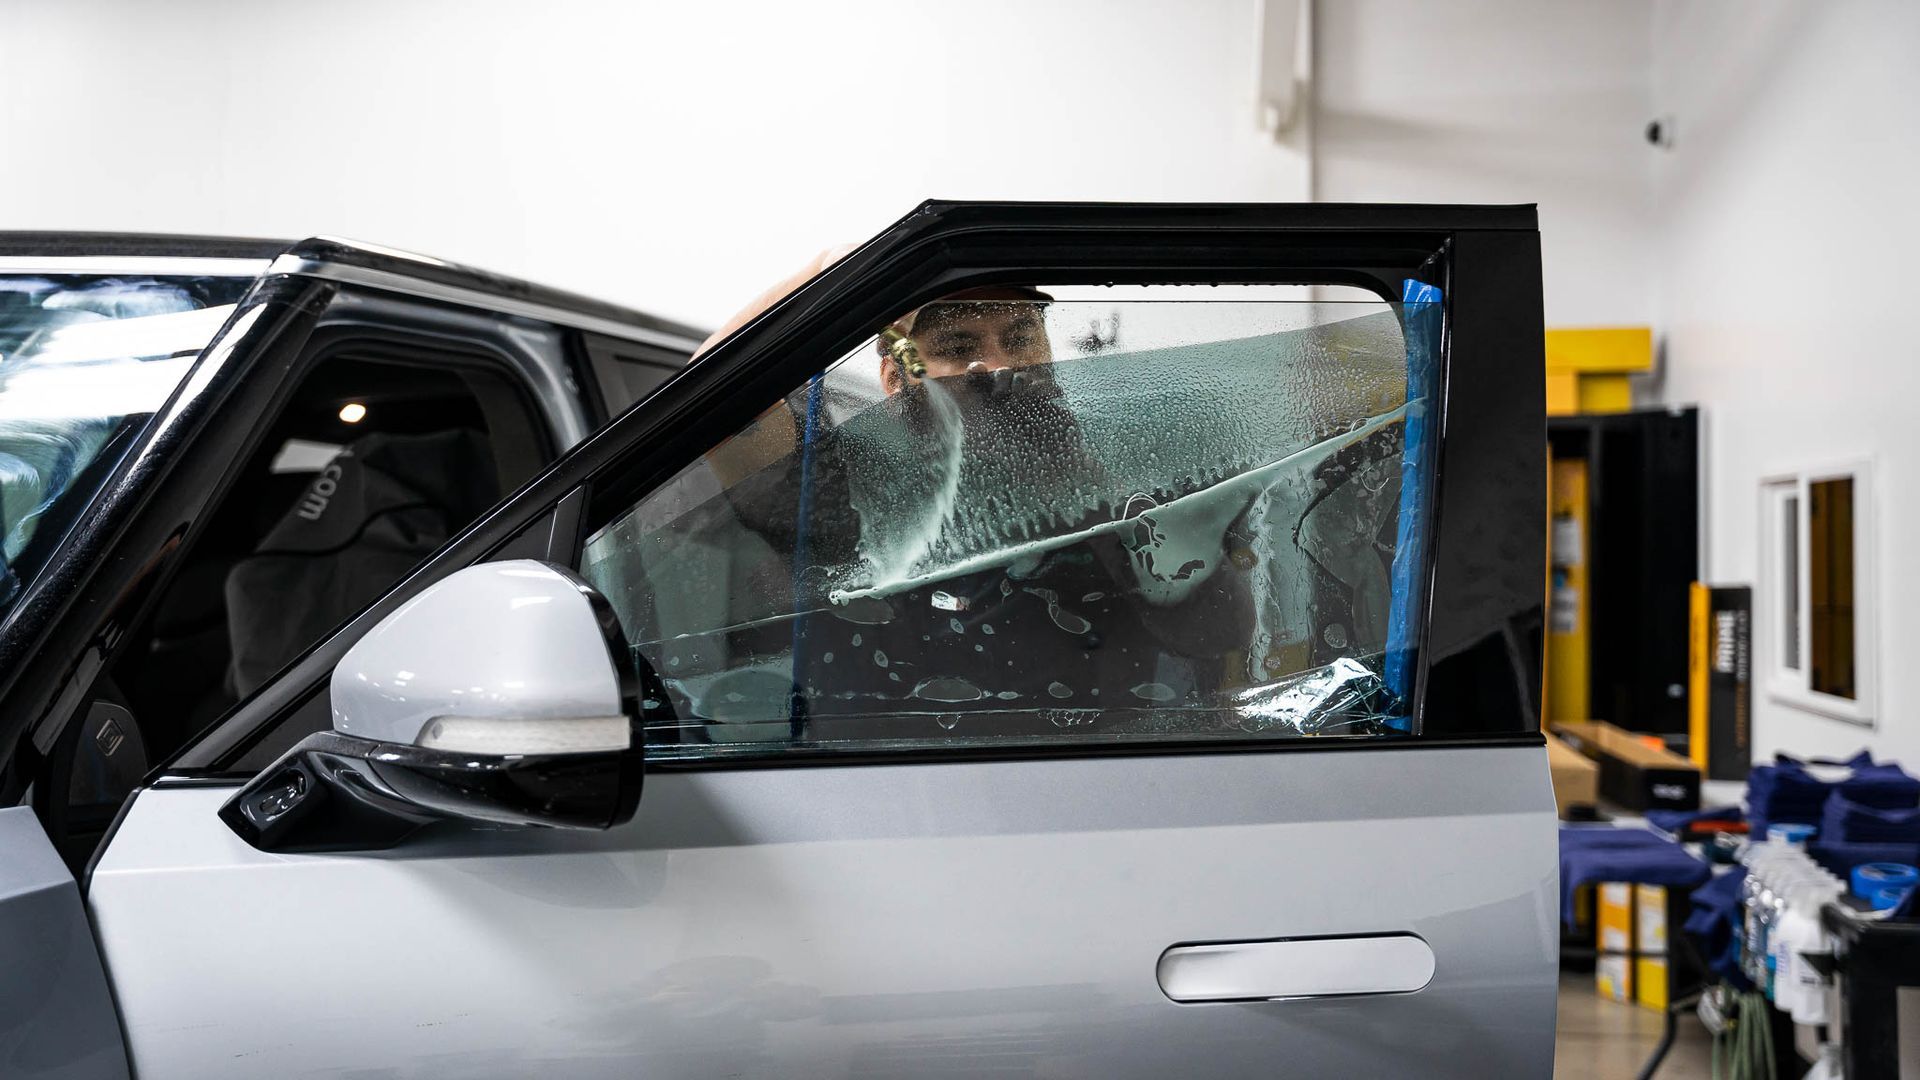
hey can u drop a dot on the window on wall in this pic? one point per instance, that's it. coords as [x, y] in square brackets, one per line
[1815, 552]
[1831, 667]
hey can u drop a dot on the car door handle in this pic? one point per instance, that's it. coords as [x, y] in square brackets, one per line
[1296, 967]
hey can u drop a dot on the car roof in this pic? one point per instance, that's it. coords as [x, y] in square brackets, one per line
[20, 245]
[336, 259]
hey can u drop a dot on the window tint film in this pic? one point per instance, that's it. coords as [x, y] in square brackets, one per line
[1013, 517]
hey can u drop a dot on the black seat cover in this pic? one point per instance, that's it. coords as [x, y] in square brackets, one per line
[381, 506]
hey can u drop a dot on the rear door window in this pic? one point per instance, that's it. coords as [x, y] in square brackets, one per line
[1052, 516]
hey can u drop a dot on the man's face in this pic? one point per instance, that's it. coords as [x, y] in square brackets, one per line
[958, 337]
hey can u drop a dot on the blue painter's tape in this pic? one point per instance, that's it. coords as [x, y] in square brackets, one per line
[1420, 318]
[1874, 878]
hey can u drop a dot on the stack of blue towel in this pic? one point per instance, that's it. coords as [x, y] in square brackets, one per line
[1594, 853]
[1786, 792]
[1849, 822]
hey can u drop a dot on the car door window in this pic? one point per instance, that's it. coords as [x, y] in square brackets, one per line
[382, 452]
[1050, 516]
[623, 372]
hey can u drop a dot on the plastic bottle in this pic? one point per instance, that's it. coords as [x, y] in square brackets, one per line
[1796, 915]
[1765, 914]
[1759, 860]
[1789, 936]
[1809, 997]
[1777, 871]
[1775, 902]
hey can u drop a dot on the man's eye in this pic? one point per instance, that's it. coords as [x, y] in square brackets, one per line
[955, 350]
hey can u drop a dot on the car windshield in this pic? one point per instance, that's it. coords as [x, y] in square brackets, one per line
[85, 360]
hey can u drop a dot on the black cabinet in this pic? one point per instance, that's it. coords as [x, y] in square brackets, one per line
[1644, 540]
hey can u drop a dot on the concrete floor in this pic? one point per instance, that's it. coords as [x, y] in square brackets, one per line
[1606, 1040]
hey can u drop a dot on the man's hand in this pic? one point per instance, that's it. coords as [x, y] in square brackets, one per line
[779, 292]
[771, 435]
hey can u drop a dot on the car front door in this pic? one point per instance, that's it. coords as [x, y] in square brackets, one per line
[1075, 640]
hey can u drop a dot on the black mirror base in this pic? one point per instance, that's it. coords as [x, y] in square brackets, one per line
[335, 792]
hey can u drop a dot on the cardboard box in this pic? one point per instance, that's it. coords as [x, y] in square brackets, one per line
[1634, 775]
[1613, 976]
[1650, 981]
[1576, 780]
[1613, 924]
[1650, 919]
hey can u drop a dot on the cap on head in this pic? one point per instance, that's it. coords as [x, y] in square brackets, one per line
[979, 294]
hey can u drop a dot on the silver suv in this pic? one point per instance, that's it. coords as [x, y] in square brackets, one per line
[1058, 639]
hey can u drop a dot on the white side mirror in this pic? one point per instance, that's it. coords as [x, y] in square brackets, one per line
[499, 658]
[499, 694]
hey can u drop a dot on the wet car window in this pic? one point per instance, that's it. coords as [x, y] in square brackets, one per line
[85, 360]
[1017, 518]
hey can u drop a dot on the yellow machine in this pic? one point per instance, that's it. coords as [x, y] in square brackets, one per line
[1588, 370]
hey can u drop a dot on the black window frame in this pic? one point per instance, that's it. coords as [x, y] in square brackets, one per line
[1479, 672]
[597, 357]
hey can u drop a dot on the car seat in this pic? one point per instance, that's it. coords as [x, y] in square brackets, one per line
[371, 515]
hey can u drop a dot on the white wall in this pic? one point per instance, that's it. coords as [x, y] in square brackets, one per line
[1788, 226]
[680, 157]
[676, 157]
[1502, 101]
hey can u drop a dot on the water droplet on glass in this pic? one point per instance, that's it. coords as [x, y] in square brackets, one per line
[947, 720]
[948, 689]
[856, 641]
[956, 626]
[1007, 695]
[673, 661]
[893, 676]
[986, 628]
[871, 610]
[1154, 691]
[879, 658]
[1059, 690]
[826, 658]
[1335, 635]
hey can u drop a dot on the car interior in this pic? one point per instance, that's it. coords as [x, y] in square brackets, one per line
[380, 455]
